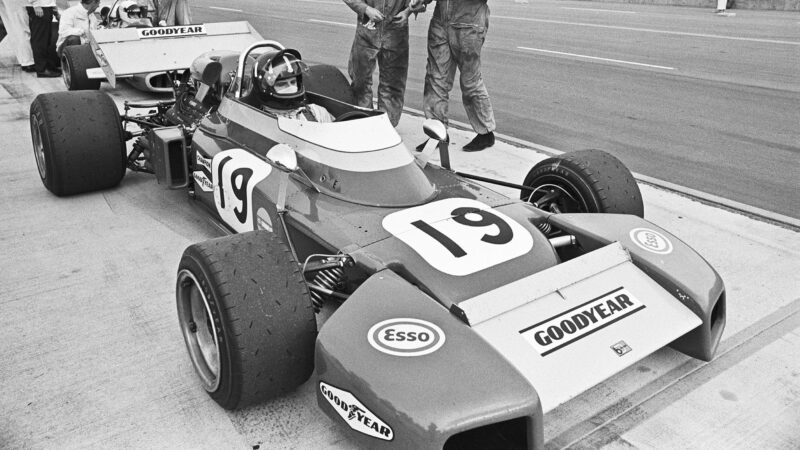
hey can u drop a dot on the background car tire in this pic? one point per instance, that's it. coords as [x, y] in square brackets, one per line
[329, 81]
[588, 181]
[260, 312]
[77, 141]
[74, 61]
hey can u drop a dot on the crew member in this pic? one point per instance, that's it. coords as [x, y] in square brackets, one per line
[382, 36]
[455, 37]
[15, 20]
[279, 81]
[75, 24]
[41, 15]
[174, 12]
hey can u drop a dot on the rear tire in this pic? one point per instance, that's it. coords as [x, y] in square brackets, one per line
[585, 181]
[74, 61]
[329, 81]
[246, 317]
[77, 141]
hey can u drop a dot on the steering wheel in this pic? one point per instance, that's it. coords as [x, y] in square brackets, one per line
[352, 115]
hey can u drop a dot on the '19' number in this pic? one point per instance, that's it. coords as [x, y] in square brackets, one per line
[464, 216]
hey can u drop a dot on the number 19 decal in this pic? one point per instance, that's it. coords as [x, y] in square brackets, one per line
[236, 173]
[459, 236]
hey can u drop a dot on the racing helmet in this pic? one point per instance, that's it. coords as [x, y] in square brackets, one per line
[130, 11]
[279, 78]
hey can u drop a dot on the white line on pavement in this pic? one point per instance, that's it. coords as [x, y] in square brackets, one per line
[224, 9]
[601, 10]
[333, 23]
[649, 30]
[596, 58]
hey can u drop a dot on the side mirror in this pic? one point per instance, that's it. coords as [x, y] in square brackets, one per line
[435, 130]
[211, 73]
[283, 157]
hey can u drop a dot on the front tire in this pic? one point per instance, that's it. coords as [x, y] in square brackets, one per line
[246, 317]
[75, 59]
[77, 141]
[585, 181]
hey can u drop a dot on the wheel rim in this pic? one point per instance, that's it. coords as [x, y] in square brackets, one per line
[199, 330]
[558, 196]
[38, 146]
[65, 72]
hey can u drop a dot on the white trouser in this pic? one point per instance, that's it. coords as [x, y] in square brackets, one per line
[16, 23]
[721, 5]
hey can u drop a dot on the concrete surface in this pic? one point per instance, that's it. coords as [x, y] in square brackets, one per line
[93, 358]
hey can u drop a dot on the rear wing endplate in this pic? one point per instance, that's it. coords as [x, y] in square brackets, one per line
[122, 52]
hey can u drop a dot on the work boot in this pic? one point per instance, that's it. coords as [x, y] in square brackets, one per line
[30, 68]
[480, 142]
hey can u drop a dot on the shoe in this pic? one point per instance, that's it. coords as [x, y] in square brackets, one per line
[48, 74]
[421, 147]
[480, 142]
[30, 68]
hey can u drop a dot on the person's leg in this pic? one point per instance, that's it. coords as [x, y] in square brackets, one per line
[182, 14]
[19, 31]
[392, 74]
[473, 90]
[70, 40]
[363, 56]
[40, 37]
[439, 73]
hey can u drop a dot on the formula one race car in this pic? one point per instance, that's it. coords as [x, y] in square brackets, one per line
[128, 29]
[452, 316]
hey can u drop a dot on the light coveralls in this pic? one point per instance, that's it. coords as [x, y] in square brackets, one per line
[174, 12]
[19, 33]
[387, 44]
[455, 37]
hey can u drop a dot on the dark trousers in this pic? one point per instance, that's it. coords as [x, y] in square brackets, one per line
[43, 39]
[70, 40]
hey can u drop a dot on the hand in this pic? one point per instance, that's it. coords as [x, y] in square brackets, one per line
[38, 11]
[373, 14]
[401, 18]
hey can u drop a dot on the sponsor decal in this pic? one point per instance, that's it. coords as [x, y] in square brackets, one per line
[178, 31]
[204, 162]
[406, 337]
[200, 179]
[562, 330]
[620, 348]
[352, 411]
[651, 240]
[263, 222]
[459, 236]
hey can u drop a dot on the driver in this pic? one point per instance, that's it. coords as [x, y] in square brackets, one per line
[131, 14]
[279, 80]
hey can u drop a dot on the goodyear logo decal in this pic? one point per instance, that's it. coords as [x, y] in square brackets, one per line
[559, 331]
[354, 413]
[178, 31]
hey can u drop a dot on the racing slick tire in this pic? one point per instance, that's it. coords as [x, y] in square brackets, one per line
[74, 61]
[246, 317]
[329, 81]
[78, 141]
[585, 181]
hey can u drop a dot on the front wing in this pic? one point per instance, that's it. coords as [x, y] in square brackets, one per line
[404, 372]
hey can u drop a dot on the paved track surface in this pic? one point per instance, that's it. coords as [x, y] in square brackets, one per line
[681, 94]
[93, 358]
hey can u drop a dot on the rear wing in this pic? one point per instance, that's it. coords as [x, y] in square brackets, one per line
[123, 52]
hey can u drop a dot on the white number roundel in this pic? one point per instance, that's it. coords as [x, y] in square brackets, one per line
[236, 172]
[459, 236]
